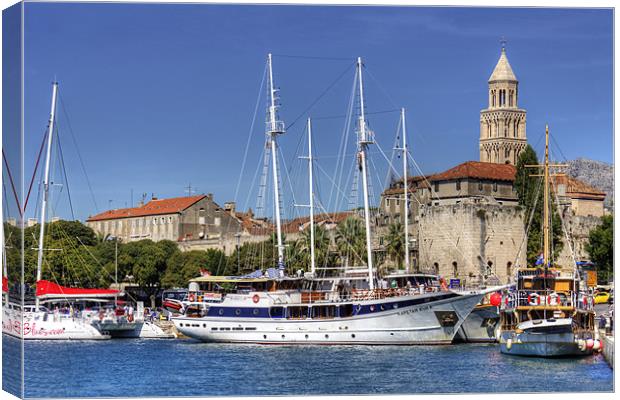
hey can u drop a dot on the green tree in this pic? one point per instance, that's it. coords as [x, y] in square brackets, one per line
[530, 192]
[395, 243]
[183, 266]
[351, 241]
[298, 252]
[600, 247]
[149, 266]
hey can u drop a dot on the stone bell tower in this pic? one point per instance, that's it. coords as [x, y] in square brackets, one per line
[502, 124]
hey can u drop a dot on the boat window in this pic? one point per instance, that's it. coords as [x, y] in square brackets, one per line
[346, 310]
[276, 312]
[323, 312]
[297, 312]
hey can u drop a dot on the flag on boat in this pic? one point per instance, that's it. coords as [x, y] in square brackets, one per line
[51, 290]
[539, 259]
[5, 284]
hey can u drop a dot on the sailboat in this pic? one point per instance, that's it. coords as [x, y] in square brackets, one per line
[551, 312]
[28, 321]
[347, 308]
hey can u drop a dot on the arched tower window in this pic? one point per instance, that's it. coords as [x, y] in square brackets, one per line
[455, 269]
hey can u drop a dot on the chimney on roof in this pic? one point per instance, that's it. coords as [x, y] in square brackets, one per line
[230, 206]
[153, 197]
[210, 196]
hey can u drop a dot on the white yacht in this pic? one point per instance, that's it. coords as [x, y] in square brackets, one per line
[28, 321]
[349, 308]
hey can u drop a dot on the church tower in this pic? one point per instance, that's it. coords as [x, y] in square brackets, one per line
[502, 124]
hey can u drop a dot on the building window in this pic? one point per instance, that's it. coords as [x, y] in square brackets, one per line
[455, 269]
[480, 186]
[495, 186]
[436, 187]
[387, 202]
[458, 185]
[489, 268]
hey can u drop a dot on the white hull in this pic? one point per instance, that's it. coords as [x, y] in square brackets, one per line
[138, 329]
[481, 326]
[416, 324]
[42, 326]
[561, 343]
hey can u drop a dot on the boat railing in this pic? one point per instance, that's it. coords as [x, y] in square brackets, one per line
[547, 297]
[323, 296]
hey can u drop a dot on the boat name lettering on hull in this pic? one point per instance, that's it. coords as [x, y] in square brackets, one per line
[414, 310]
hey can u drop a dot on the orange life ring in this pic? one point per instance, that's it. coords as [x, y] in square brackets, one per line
[255, 298]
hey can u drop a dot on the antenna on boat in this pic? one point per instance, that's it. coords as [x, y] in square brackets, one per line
[365, 137]
[406, 186]
[275, 127]
[50, 135]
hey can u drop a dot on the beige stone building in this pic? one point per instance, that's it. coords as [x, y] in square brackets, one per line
[177, 219]
[502, 124]
[471, 229]
[444, 235]
[476, 241]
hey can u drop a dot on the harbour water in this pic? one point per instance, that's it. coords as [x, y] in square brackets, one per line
[154, 367]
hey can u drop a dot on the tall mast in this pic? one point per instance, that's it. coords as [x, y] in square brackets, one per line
[311, 191]
[546, 203]
[546, 256]
[46, 184]
[364, 139]
[406, 186]
[274, 128]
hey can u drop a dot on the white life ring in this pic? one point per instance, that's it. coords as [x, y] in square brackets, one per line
[553, 299]
[533, 299]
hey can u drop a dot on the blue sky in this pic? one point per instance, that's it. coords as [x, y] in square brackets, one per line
[159, 96]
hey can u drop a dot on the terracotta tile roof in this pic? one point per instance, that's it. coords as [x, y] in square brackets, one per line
[297, 224]
[415, 182]
[254, 226]
[577, 189]
[153, 207]
[478, 170]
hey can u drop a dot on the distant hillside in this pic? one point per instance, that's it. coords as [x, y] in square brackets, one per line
[595, 173]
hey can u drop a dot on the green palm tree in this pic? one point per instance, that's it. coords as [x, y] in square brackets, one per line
[395, 243]
[350, 241]
[322, 242]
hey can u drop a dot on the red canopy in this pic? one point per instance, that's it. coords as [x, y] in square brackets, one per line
[51, 290]
[5, 284]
